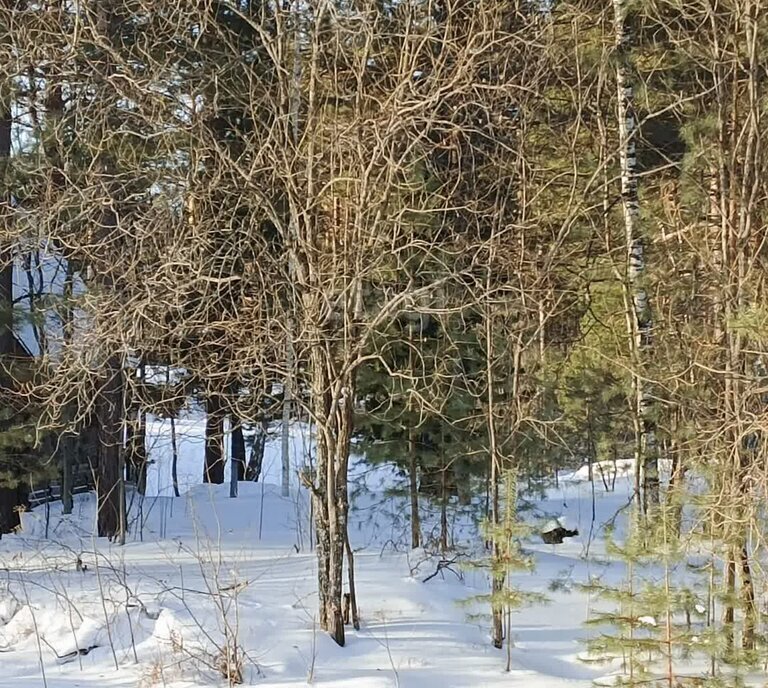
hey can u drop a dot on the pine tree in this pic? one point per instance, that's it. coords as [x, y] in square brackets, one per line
[507, 558]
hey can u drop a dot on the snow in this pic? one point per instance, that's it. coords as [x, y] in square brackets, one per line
[607, 469]
[610, 470]
[202, 568]
[190, 439]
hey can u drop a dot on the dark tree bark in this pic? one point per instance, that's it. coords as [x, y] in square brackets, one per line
[136, 444]
[729, 613]
[238, 449]
[253, 471]
[214, 441]
[413, 489]
[9, 516]
[68, 446]
[13, 500]
[10, 497]
[175, 459]
[141, 453]
[6, 262]
[66, 474]
[443, 504]
[110, 484]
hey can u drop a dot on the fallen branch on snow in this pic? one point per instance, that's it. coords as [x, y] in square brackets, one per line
[442, 565]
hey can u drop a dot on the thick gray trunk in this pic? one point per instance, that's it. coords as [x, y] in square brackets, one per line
[333, 414]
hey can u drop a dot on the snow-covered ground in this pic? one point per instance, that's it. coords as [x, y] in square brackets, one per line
[190, 440]
[204, 572]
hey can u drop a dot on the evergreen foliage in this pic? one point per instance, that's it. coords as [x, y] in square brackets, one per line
[506, 559]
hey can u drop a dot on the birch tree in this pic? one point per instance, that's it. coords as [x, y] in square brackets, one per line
[639, 318]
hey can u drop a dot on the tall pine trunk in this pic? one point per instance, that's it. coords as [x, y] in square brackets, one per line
[413, 480]
[6, 256]
[9, 517]
[110, 484]
[136, 446]
[69, 442]
[213, 471]
[238, 449]
[413, 489]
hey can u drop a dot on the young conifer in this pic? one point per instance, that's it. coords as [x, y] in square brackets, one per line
[507, 558]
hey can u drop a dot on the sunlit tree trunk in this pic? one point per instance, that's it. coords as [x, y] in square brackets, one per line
[638, 306]
[332, 404]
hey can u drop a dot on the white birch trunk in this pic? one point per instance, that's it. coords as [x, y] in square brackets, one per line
[640, 321]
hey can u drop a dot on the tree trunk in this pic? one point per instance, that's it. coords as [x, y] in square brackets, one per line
[352, 595]
[413, 481]
[9, 516]
[729, 615]
[214, 441]
[443, 502]
[67, 500]
[333, 414]
[6, 257]
[137, 448]
[498, 576]
[748, 602]
[253, 472]
[676, 489]
[238, 450]
[137, 443]
[141, 448]
[413, 489]
[69, 442]
[110, 485]
[639, 319]
[175, 458]
[13, 501]
[285, 443]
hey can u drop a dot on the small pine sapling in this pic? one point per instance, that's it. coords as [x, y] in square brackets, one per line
[507, 557]
[652, 620]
